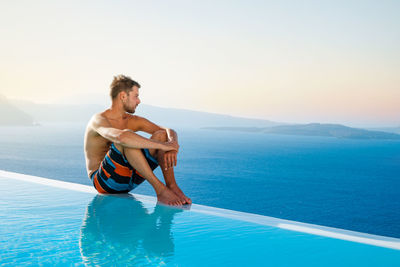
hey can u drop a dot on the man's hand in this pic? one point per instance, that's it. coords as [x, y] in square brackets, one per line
[170, 159]
[173, 145]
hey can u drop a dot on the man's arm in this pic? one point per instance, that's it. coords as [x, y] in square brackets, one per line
[138, 123]
[126, 137]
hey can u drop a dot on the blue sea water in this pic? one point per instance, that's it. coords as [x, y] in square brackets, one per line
[343, 183]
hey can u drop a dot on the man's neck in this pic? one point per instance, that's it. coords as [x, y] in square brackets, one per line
[116, 113]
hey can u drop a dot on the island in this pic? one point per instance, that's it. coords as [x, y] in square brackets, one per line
[315, 129]
[13, 116]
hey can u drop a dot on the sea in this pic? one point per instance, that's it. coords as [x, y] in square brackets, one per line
[343, 183]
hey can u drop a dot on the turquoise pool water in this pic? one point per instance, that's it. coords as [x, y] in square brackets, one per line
[46, 222]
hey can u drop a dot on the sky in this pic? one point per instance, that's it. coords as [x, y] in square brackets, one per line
[286, 61]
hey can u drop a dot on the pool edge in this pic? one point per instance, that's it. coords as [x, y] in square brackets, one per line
[337, 233]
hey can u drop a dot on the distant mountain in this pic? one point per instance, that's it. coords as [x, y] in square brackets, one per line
[315, 129]
[58, 112]
[387, 129]
[172, 117]
[168, 117]
[11, 115]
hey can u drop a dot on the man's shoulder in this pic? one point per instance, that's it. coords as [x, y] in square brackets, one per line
[132, 119]
[135, 122]
[100, 115]
[98, 118]
[135, 118]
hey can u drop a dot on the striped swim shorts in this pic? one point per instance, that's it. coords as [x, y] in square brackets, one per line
[115, 174]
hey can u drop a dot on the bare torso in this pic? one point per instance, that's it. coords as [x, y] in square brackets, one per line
[96, 146]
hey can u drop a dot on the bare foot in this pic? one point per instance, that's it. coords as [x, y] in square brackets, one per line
[183, 198]
[168, 197]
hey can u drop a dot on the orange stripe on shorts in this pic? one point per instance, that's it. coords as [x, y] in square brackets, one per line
[105, 172]
[121, 170]
[98, 186]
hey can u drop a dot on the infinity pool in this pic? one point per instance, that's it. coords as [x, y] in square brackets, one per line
[49, 222]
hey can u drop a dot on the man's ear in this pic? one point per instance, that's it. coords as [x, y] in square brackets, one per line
[122, 95]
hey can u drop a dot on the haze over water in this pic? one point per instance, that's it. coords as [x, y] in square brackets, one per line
[289, 61]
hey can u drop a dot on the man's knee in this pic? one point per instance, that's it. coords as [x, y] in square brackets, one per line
[126, 151]
[160, 135]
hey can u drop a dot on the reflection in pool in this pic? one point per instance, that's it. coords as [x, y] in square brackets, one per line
[52, 223]
[118, 229]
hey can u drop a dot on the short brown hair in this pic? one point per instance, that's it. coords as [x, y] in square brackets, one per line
[122, 83]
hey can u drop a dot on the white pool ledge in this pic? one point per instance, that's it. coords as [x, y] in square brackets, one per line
[375, 240]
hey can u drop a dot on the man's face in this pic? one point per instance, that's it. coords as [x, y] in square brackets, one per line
[132, 100]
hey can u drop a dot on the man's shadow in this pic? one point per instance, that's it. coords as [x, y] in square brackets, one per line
[118, 229]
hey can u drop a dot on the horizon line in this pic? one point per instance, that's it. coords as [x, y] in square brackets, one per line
[353, 124]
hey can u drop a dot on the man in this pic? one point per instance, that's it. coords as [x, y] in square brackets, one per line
[118, 159]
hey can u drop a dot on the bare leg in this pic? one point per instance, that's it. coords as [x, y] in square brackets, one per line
[137, 160]
[169, 175]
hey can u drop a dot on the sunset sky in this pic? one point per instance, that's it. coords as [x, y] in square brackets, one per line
[291, 61]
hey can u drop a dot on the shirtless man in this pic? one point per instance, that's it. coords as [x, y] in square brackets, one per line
[118, 159]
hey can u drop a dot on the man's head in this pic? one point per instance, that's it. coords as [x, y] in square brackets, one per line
[126, 90]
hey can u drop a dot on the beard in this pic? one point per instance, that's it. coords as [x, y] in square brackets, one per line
[129, 109]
